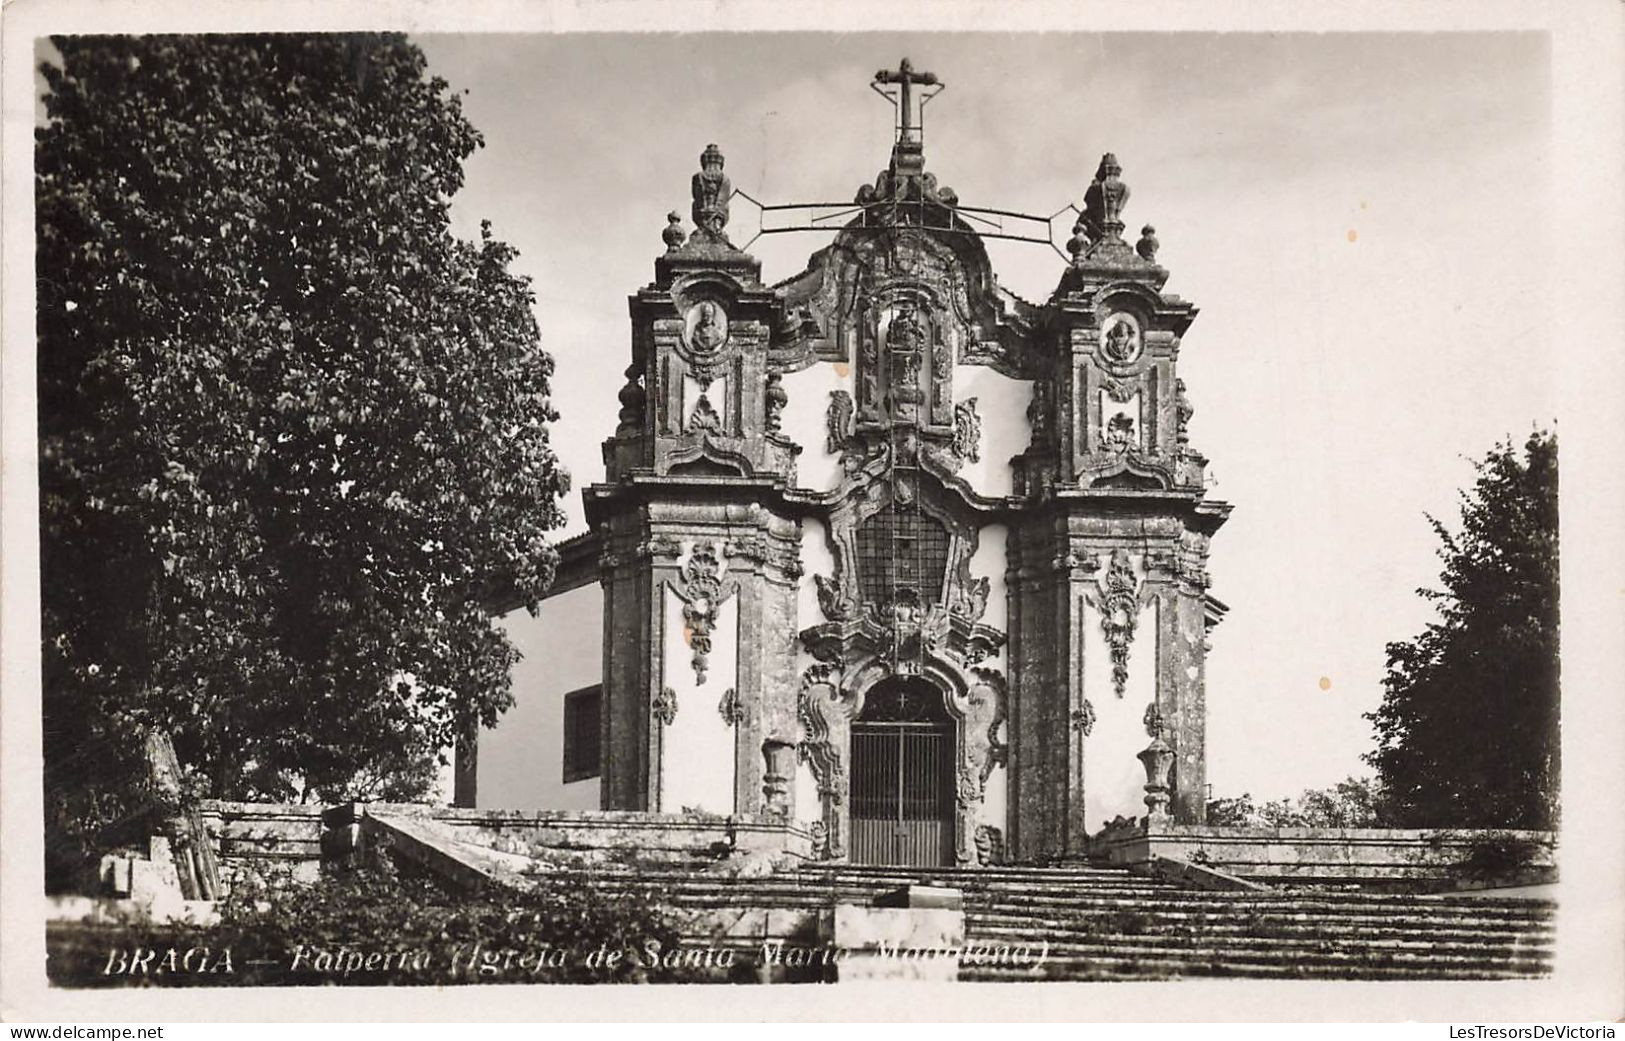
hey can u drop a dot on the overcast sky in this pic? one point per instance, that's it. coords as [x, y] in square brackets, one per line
[1355, 215]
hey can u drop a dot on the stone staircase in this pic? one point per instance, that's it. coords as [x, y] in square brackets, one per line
[1102, 923]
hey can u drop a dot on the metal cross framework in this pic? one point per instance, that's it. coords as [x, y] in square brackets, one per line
[833, 216]
[905, 78]
[984, 222]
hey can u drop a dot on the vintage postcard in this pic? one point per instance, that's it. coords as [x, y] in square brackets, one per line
[558, 498]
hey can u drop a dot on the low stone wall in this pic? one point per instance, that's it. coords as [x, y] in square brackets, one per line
[288, 840]
[265, 840]
[1413, 859]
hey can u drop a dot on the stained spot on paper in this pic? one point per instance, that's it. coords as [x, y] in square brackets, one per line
[1353, 234]
[1325, 683]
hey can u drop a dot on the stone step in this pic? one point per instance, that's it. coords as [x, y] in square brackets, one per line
[1442, 933]
[1269, 947]
[1121, 969]
[1222, 906]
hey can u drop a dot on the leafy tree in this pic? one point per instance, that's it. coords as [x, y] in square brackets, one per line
[292, 430]
[418, 933]
[1468, 728]
[1352, 803]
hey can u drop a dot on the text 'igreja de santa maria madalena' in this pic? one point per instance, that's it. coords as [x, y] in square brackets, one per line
[927, 666]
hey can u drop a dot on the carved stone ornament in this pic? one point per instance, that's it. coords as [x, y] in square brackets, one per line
[989, 845]
[711, 190]
[1148, 245]
[1119, 612]
[1104, 201]
[970, 595]
[1120, 341]
[967, 431]
[633, 399]
[831, 598]
[1120, 434]
[1083, 718]
[1155, 725]
[664, 706]
[838, 422]
[706, 329]
[699, 584]
[1182, 412]
[705, 416]
[825, 718]
[775, 398]
[731, 707]
[674, 234]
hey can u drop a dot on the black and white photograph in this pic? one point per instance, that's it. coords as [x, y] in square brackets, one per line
[605, 495]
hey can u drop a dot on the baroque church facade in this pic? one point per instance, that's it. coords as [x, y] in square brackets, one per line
[882, 548]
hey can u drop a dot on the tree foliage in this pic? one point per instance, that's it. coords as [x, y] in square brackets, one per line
[1468, 727]
[292, 430]
[567, 929]
[1351, 803]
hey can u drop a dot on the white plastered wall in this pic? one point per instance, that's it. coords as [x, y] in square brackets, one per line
[521, 759]
[697, 768]
[1001, 402]
[1113, 779]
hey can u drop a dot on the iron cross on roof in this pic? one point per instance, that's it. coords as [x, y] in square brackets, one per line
[906, 79]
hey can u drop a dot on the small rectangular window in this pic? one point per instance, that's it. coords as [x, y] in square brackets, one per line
[581, 710]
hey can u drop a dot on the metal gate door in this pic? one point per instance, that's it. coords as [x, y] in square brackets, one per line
[902, 785]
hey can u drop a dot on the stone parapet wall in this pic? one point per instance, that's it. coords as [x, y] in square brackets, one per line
[275, 839]
[1411, 858]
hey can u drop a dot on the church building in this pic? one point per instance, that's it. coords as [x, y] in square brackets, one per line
[883, 548]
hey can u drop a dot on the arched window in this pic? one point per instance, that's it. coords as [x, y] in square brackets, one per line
[901, 547]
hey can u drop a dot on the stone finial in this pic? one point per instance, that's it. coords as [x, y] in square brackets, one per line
[1080, 237]
[1158, 760]
[711, 189]
[1148, 244]
[1104, 201]
[633, 399]
[674, 234]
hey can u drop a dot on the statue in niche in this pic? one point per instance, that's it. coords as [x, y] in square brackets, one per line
[905, 333]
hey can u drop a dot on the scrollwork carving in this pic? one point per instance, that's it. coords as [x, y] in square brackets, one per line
[832, 599]
[825, 718]
[967, 431]
[664, 706]
[1083, 718]
[699, 584]
[731, 707]
[1119, 614]
[838, 422]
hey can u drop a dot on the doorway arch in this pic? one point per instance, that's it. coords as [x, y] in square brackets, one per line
[903, 750]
